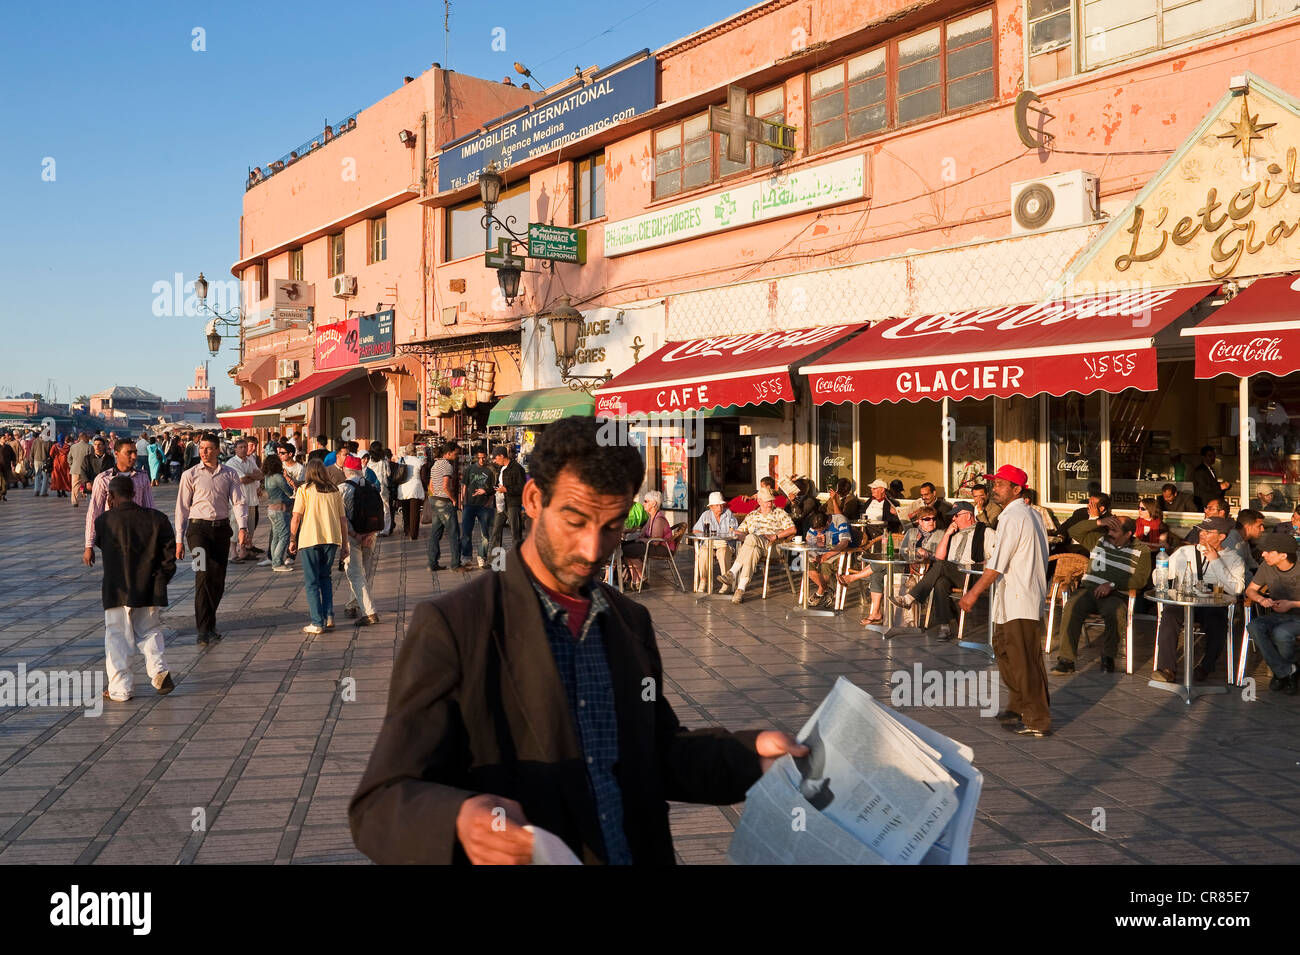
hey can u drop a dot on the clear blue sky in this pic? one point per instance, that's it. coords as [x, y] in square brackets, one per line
[151, 143]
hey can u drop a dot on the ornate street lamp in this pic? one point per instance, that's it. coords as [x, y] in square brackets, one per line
[232, 318]
[508, 279]
[566, 331]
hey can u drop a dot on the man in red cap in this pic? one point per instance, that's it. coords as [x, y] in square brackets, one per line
[1019, 565]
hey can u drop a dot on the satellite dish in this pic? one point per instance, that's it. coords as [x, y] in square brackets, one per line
[1034, 206]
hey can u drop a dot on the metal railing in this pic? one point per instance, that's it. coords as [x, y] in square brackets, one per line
[259, 174]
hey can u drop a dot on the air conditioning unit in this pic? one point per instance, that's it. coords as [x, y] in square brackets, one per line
[276, 385]
[286, 368]
[345, 286]
[1053, 202]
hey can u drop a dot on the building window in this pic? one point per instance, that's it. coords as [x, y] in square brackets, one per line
[1051, 40]
[464, 223]
[259, 278]
[589, 190]
[687, 155]
[336, 254]
[834, 444]
[295, 264]
[1073, 447]
[1115, 30]
[943, 68]
[378, 239]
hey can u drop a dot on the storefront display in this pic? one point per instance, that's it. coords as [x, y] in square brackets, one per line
[834, 445]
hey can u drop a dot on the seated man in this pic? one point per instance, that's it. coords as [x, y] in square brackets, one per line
[930, 497]
[1217, 507]
[986, 511]
[1276, 588]
[718, 522]
[1097, 507]
[923, 537]
[825, 533]
[965, 542]
[1118, 564]
[880, 510]
[1211, 564]
[1172, 499]
[1269, 498]
[760, 530]
[1250, 527]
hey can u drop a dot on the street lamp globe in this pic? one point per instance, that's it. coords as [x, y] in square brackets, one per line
[509, 281]
[214, 341]
[201, 288]
[489, 186]
[566, 330]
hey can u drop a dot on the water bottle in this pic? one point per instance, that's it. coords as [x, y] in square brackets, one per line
[889, 545]
[1161, 575]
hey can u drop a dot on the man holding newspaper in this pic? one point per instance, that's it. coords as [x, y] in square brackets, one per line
[1019, 566]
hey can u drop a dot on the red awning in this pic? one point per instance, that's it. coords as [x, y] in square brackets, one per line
[1258, 331]
[715, 372]
[267, 410]
[1103, 343]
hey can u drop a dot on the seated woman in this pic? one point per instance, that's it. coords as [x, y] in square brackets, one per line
[1151, 527]
[656, 526]
[923, 537]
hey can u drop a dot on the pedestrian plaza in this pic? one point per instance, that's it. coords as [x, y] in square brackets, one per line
[254, 756]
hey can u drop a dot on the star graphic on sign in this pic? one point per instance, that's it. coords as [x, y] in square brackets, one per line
[1245, 129]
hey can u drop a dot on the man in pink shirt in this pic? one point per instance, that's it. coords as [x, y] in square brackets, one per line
[124, 455]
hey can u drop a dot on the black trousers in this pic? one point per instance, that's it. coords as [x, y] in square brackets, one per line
[514, 514]
[210, 582]
[943, 578]
[411, 516]
[1213, 620]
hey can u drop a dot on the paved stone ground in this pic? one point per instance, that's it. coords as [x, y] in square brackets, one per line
[257, 735]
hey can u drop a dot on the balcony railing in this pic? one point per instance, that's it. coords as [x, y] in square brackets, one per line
[258, 174]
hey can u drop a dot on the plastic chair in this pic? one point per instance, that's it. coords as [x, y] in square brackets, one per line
[1239, 677]
[767, 568]
[677, 532]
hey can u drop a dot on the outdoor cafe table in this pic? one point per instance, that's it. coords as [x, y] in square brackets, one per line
[1189, 603]
[883, 564]
[706, 542]
[806, 551]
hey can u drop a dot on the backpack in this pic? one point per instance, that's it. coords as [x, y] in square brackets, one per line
[367, 509]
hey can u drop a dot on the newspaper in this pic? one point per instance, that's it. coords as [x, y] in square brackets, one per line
[875, 788]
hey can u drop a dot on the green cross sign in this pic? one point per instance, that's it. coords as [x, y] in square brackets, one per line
[502, 259]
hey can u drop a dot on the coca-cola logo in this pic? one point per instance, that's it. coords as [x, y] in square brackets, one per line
[1257, 349]
[743, 344]
[1012, 317]
[840, 384]
[609, 403]
[838, 461]
[1077, 467]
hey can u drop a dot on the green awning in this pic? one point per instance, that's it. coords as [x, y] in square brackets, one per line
[527, 408]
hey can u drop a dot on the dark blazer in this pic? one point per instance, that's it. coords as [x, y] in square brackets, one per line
[1205, 486]
[139, 548]
[476, 706]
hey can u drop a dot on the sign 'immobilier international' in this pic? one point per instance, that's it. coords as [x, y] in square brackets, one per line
[826, 185]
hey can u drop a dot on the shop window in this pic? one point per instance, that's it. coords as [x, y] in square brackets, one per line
[1156, 436]
[1274, 433]
[589, 190]
[834, 444]
[969, 433]
[903, 442]
[1073, 447]
[1051, 40]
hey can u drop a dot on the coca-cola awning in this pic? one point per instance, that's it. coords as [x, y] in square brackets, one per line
[1258, 331]
[714, 372]
[1101, 343]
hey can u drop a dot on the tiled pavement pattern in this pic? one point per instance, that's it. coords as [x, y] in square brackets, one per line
[257, 735]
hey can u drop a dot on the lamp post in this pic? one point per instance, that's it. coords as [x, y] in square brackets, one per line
[231, 318]
[490, 182]
[566, 331]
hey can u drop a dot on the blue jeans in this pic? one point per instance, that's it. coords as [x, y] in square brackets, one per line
[444, 517]
[482, 514]
[318, 571]
[1274, 635]
[279, 537]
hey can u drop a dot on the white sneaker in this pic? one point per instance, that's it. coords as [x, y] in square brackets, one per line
[312, 628]
[283, 569]
[266, 562]
[482, 564]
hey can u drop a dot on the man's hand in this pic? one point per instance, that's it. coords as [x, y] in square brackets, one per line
[88, 557]
[1104, 590]
[243, 537]
[491, 831]
[967, 602]
[771, 745]
[1284, 606]
[293, 547]
[180, 551]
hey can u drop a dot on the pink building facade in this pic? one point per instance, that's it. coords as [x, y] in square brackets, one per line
[922, 183]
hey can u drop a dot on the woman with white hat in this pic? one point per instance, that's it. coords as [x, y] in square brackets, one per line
[716, 521]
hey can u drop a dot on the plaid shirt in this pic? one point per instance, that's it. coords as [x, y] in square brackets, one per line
[773, 522]
[584, 672]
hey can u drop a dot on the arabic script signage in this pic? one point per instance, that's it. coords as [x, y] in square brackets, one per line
[826, 185]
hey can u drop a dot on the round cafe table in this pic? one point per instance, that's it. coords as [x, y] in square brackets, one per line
[706, 542]
[1189, 603]
[886, 565]
[807, 552]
